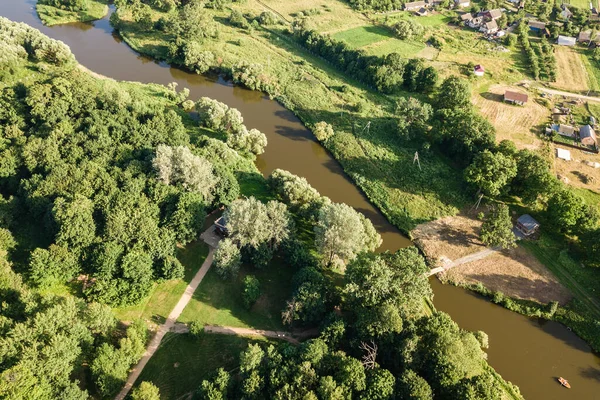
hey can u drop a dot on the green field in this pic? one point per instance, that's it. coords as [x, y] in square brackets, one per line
[183, 361]
[96, 9]
[219, 302]
[583, 4]
[404, 48]
[432, 20]
[364, 35]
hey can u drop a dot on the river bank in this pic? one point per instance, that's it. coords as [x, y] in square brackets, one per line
[521, 350]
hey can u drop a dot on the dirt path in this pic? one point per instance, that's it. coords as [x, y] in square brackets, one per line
[170, 322]
[448, 264]
[230, 330]
[569, 94]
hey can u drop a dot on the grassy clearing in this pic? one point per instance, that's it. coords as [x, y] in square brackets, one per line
[407, 49]
[572, 74]
[162, 300]
[96, 9]
[583, 4]
[432, 20]
[364, 35]
[219, 302]
[380, 163]
[183, 361]
[592, 67]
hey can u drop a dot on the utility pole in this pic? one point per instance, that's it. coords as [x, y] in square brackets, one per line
[416, 159]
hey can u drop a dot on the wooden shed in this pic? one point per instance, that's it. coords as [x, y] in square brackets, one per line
[527, 225]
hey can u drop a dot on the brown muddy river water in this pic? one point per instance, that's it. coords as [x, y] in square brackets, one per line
[527, 352]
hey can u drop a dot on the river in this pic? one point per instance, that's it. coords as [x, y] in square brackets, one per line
[527, 352]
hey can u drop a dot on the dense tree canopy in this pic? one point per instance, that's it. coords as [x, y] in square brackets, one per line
[497, 228]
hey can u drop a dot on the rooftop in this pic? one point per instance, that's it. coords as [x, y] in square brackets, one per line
[528, 222]
[515, 96]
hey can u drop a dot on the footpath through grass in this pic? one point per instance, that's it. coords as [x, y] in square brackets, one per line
[164, 297]
[183, 361]
[96, 9]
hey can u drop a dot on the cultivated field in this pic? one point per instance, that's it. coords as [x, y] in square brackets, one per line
[516, 123]
[516, 272]
[572, 74]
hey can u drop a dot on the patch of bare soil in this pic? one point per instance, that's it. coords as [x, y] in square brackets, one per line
[512, 122]
[582, 171]
[515, 272]
[449, 237]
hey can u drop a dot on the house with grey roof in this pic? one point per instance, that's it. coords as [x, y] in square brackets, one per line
[587, 135]
[527, 225]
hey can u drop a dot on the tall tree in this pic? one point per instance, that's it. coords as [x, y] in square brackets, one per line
[497, 228]
[491, 172]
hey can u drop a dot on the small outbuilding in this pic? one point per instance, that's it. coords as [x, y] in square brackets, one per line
[515, 97]
[564, 130]
[462, 3]
[479, 70]
[566, 41]
[587, 135]
[466, 17]
[527, 225]
[422, 12]
[563, 154]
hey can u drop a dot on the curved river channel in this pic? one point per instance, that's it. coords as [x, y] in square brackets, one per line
[528, 352]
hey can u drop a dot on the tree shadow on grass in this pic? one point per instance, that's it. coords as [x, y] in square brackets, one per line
[492, 96]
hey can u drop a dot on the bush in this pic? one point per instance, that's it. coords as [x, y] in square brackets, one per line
[323, 131]
[227, 259]
[196, 328]
[268, 18]
[251, 290]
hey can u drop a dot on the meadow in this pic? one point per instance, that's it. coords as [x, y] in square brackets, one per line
[96, 9]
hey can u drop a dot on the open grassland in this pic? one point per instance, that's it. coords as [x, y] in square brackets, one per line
[583, 4]
[183, 361]
[515, 123]
[405, 48]
[377, 160]
[592, 67]
[325, 15]
[96, 9]
[364, 35]
[156, 308]
[219, 302]
[572, 74]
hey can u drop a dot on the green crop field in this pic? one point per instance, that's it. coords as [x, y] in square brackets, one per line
[364, 35]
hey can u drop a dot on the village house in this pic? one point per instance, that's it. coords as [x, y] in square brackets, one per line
[493, 14]
[515, 97]
[414, 6]
[221, 226]
[434, 3]
[566, 41]
[585, 37]
[537, 26]
[462, 3]
[564, 130]
[588, 136]
[489, 27]
[527, 225]
[466, 17]
[479, 70]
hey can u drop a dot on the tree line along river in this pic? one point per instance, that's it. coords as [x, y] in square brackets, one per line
[528, 352]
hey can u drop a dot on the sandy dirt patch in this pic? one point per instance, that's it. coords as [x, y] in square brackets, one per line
[571, 73]
[516, 123]
[514, 272]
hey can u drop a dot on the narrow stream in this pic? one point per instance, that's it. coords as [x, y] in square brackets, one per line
[530, 353]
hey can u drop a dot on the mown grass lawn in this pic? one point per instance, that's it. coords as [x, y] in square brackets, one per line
[407, 49]
[219, 302]
[183, 361]
[96, 9]
[364, 35]
[165, 295]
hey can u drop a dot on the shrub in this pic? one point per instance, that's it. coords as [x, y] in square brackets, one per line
[323, 131]
[251, 290]
[227, 259]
